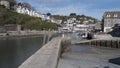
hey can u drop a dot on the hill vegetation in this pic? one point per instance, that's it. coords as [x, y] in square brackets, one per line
[27, 22]
[81, 18]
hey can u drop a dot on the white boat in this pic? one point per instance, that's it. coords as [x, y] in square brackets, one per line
[84, 35]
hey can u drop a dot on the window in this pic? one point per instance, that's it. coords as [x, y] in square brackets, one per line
[108, 15]
[115, 15]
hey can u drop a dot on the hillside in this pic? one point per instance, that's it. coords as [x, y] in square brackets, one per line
[80, 18]
[9, 17]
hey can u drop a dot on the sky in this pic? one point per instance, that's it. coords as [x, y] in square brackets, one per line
[93, 8]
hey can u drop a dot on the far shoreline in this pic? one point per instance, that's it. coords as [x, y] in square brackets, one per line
[28, 35]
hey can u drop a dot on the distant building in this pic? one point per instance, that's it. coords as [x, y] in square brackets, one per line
[71, 20]
[53, 20]
[98, 25]
[5, 3]
[110, 19]
[45, 17]
[81, 27]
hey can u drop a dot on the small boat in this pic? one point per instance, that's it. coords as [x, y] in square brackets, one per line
[84, 35]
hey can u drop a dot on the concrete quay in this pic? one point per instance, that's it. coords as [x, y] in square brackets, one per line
[46, 57]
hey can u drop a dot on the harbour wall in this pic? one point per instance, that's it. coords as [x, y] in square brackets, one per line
[47, 56]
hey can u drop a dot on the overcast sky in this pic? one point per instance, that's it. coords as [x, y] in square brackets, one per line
[94, 8]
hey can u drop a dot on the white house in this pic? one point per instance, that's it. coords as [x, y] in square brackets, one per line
[81, 27]
[71, 20]
[45, 17]
[26, 9]
[53, 20]
[5, 3]
[21, 9]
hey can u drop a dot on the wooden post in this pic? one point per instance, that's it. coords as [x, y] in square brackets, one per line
[111, 44]
[118, 44]
[114, 43]
[100, 42]
[105, 43]
[96, 42]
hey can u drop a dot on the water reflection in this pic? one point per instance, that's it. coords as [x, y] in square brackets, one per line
[81, 48]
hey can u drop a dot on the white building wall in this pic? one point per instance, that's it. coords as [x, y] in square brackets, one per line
[109, 23]
[5, 3]
[24, 10]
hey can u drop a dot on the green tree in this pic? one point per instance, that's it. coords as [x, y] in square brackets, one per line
[72, 14]
[48, 14]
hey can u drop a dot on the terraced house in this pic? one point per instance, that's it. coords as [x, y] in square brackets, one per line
[25, 8]
[110, 19]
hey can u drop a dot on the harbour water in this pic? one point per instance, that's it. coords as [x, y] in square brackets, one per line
[13, 52]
